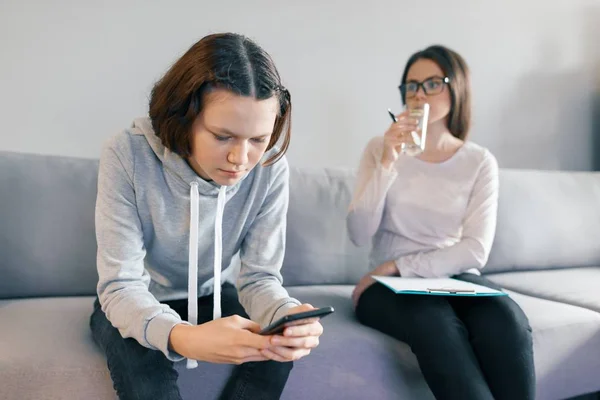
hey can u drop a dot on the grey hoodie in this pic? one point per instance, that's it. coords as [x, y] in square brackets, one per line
[164, 233]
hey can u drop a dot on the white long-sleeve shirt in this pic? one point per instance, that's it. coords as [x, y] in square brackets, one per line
[432, 219]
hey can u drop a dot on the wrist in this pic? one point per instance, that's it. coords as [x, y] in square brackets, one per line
[177, 338]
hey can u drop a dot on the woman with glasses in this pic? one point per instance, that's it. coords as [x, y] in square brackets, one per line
[431, 216]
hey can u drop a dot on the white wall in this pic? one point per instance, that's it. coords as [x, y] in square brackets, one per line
[74, 72]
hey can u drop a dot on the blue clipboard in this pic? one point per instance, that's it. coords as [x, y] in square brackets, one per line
[436, 287]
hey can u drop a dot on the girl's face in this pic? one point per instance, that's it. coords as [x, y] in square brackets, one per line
[230, 135]
[428, 72]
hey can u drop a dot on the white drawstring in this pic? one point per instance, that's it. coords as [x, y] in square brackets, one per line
[193, 263]
[218, 253]
[193, 258]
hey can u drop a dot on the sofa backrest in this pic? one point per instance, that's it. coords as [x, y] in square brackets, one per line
[546, 219]
[47, 239]
[318, 248]
[48, 248]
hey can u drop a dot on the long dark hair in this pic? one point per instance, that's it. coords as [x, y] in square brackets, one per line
[226, 61]
[456, 70]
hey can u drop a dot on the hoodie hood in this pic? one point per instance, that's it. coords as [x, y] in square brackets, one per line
[175, 164]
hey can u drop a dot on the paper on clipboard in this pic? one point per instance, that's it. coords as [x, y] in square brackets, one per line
[436, 286]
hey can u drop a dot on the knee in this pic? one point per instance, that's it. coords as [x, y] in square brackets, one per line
[287, 368]
[143, 388]
[149, 376]
[372, 303]
[102, 330]
[274, 372]
[509, 323]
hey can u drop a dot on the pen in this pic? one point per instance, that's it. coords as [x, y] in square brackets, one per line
[392, 115]
[451, 290]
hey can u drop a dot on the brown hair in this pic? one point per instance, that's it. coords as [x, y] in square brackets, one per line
[226, 61]
[456, 70]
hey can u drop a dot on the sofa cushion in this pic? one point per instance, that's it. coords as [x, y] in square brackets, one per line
[352, 360]
[566, 350]
[546, 219]
[47, 239]
[566, 346]
[576, 286]
[46, 351]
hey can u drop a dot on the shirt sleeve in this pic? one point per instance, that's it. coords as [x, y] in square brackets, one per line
[373, 184]
[479, 227]
[123, 283]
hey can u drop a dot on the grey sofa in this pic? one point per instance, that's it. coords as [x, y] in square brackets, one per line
[547, 253]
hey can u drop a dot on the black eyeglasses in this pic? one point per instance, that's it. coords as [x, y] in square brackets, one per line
[431, 86]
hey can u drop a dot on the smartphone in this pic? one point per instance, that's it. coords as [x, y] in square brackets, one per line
[307, 317]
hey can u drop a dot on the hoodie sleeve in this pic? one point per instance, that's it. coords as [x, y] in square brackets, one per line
[123, 282]
[373, 184]
[479, 228]
[259, 282]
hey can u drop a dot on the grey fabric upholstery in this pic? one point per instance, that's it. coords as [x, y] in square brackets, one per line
[47, 239]
[318, 248]
[47, 351]
[546, 219]
[576, 286]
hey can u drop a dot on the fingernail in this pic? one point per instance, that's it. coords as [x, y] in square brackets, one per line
[276, 340]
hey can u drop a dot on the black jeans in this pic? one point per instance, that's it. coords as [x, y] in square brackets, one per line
[140, 373]
[476, 348]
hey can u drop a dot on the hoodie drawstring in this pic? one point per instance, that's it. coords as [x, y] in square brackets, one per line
[193, 258]
[218, 253]
[193, 263]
